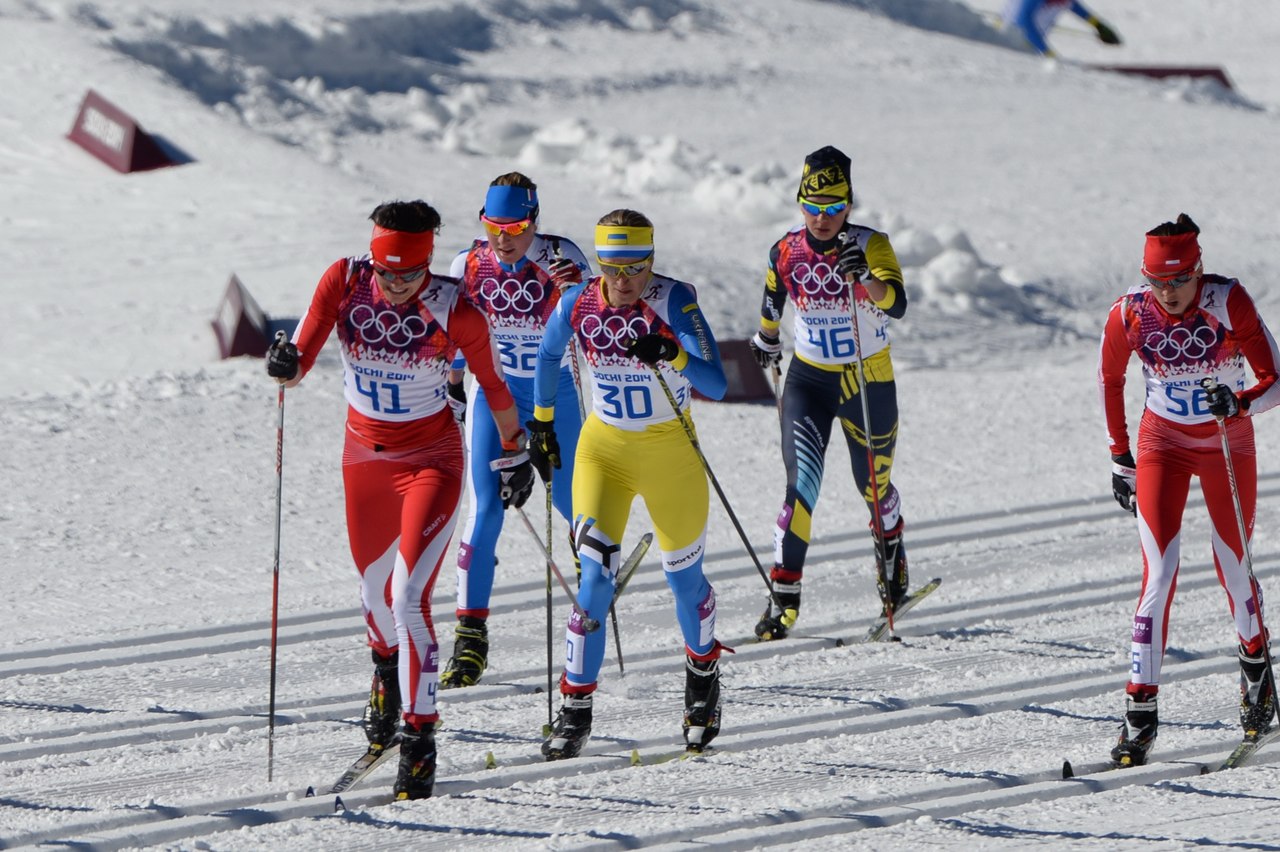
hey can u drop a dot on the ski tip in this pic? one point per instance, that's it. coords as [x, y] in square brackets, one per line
[1204, 769]
[635, 757]
[839, 643]
[895, 638]
[1067, 771]
[537, 690]
[338, 806]
[546, 731]
[311, 792]
[490, 762]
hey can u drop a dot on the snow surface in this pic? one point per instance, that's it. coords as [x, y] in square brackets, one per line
[136, 532]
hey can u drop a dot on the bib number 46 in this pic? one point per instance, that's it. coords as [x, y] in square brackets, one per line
[836, 343]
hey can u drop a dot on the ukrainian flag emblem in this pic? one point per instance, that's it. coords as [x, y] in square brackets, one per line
[621, 245]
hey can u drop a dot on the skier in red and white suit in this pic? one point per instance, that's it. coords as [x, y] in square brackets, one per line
[1185, 327]
[399, 328]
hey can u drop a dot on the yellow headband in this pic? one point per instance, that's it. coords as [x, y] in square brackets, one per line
[620, 244]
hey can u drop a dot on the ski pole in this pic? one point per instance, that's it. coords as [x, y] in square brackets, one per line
[776, 371]
[1246, 556]
[550, 629]
[625, 573]
[590, 624]
[275, 570]
[706, 466]
[573, 349]
[876, 521]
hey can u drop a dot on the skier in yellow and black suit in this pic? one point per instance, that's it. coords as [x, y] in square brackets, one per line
[812, 267]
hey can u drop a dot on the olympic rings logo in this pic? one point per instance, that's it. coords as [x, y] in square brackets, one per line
[1181, 343]
[605, 332]
[512, 294]
[819, 279]
[387, 326]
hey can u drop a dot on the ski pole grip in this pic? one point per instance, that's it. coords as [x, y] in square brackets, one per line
[281, 337]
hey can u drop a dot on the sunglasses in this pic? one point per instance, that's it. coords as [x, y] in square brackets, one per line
[823, 209]
[511, 229]
[401, 276]
[1157, 283]
[614, 270]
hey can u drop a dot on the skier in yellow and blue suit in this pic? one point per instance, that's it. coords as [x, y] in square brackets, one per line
[631, 326]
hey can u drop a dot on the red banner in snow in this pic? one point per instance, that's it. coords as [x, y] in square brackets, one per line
[111, 135]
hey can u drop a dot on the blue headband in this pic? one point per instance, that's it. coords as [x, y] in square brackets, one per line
[511, 202]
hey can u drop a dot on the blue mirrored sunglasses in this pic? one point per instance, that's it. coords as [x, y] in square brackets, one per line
[823, 209]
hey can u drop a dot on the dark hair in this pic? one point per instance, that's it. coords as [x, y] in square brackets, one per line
[413, 217]
[625, 218]
[1184, 225]
[515, 179]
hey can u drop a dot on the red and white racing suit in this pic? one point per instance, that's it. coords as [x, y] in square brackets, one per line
[402, 464]
[1178, 438]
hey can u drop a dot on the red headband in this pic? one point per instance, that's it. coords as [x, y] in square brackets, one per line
[401, 249]
[1170, 256]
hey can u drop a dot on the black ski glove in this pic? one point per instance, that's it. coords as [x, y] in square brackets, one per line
[766, 349]
[1223, 402]
[544, 449]
[852, 262]
[652, 348]
[1106, 34]
[282, 361]
[1124, 481]
[458, 401]
[515, 474]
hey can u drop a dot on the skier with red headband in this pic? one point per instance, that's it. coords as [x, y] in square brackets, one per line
[1187, 327]
[516, 276]
[399, 327]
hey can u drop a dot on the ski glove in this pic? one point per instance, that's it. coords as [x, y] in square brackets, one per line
[544, 449]
[564, 272]
[652, 348]
[458, 401]
[852, 262]
[515, 473]
[1124, 481]
[282, 361]
[766, 349]
[1223, 402]
[1106, 34]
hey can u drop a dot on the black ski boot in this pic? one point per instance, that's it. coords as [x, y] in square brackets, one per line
[701, 703]
[1257, 698]
[417, 775]
[1137, 731]
[893, 587]
[777, 623]
[470, 653]
[571, 729]
[382, 713]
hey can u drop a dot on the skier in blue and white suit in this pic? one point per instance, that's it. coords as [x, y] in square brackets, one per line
[632, 325]
[516, 278]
